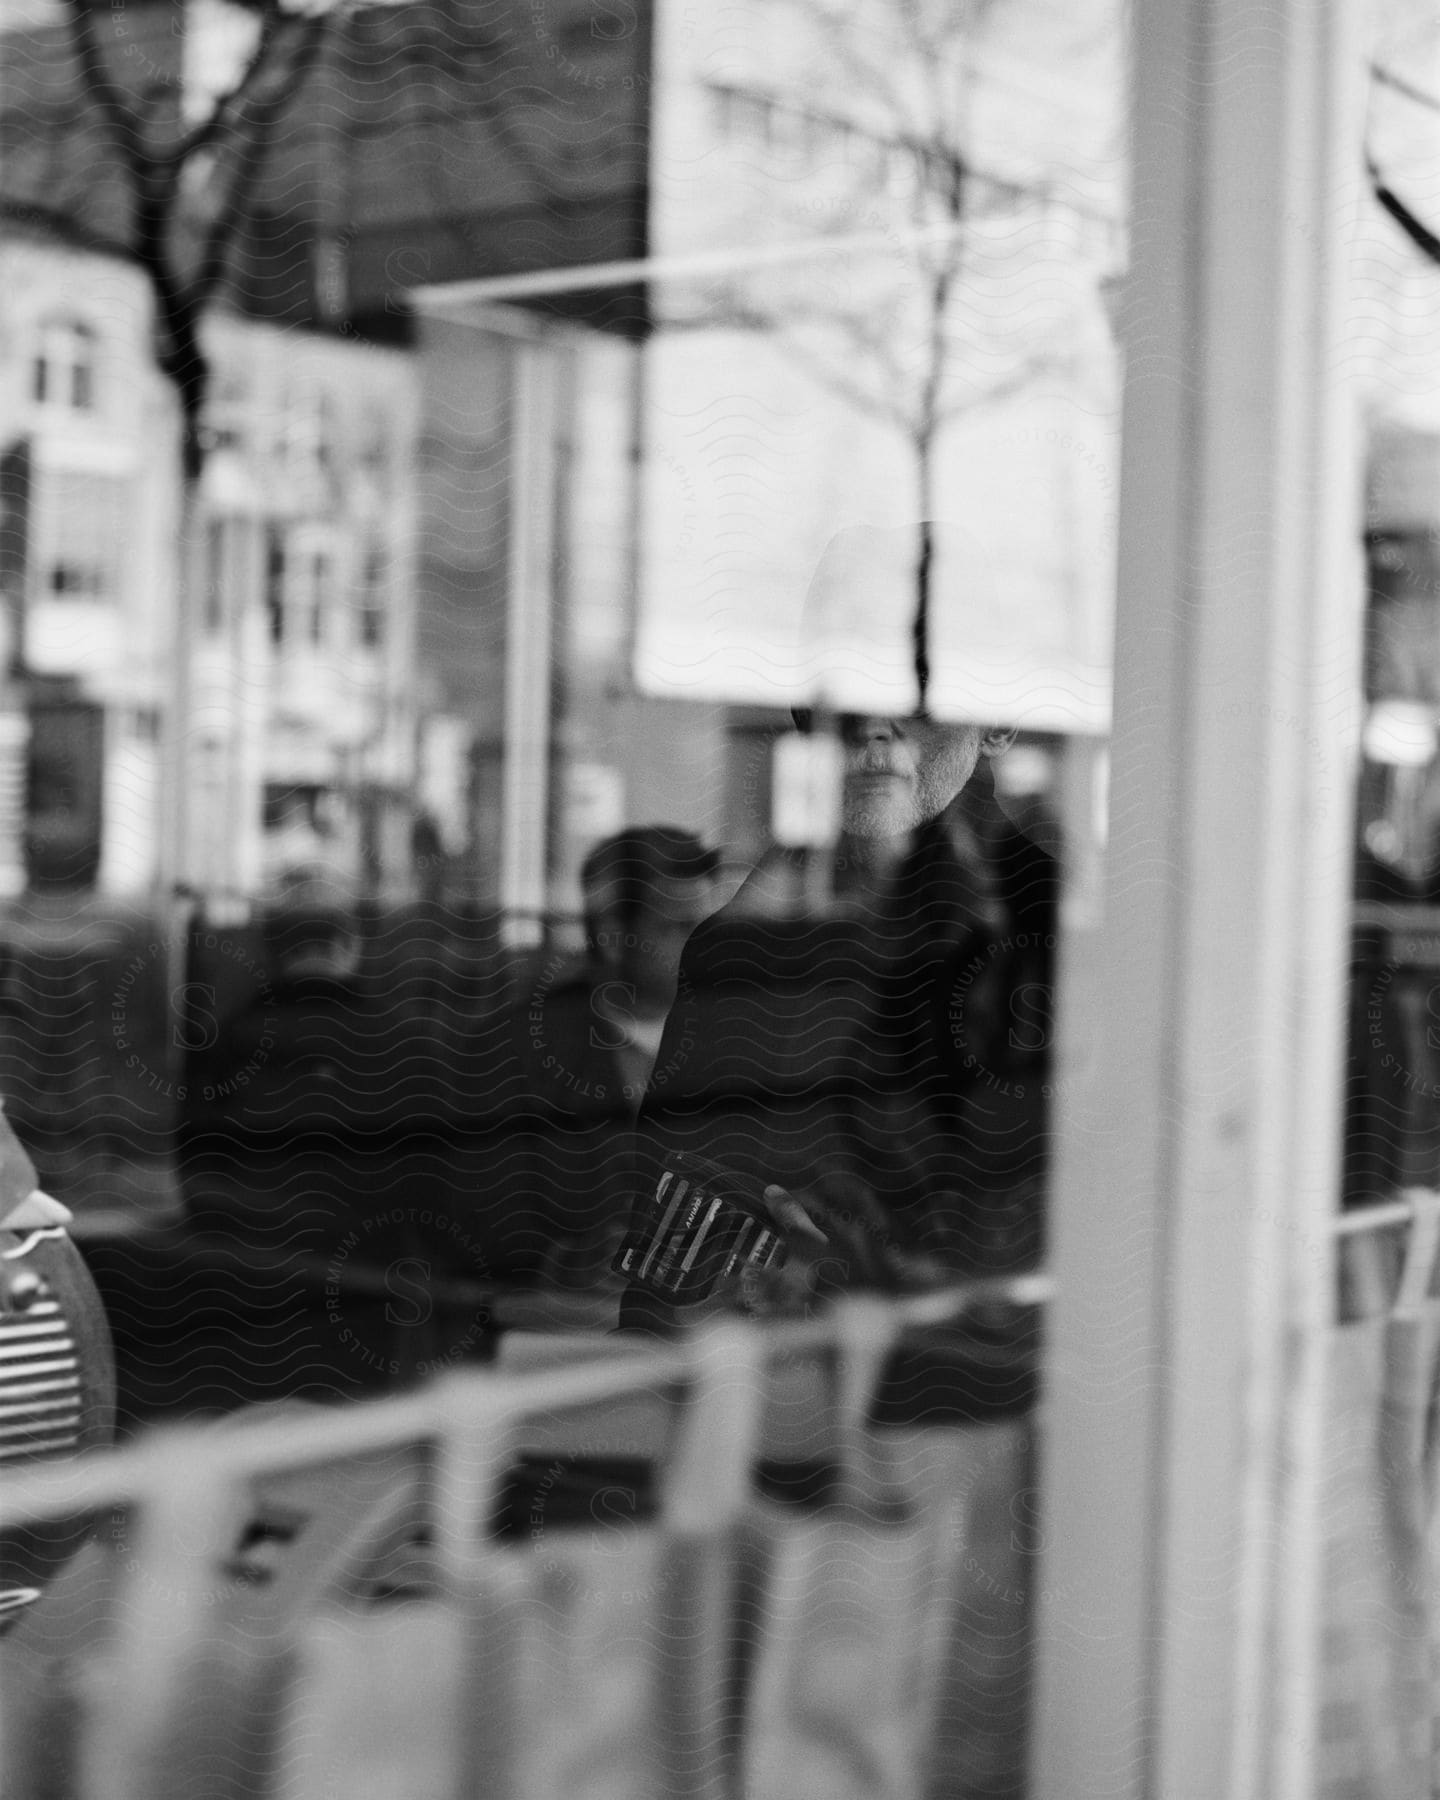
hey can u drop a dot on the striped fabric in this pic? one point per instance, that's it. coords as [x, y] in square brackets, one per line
[40, 1406]
[46, 1393]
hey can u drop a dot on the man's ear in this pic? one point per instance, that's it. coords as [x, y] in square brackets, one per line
[997, 741]
[606, 931]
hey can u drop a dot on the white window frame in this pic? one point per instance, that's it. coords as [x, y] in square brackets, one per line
[372, 598]
[1203, 1023]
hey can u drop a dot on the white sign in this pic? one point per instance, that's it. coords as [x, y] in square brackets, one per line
[594, 803]
[806, 781]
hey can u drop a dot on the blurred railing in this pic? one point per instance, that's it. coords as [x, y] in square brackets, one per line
[186, 1494]
[447, 1411]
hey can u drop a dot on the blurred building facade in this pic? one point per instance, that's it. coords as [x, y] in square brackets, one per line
[90, 516]
[301, 728]
[302, 699]
[344, 693]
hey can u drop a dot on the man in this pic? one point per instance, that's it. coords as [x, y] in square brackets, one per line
[644, 891]
[582, 1053]
[861, 1065]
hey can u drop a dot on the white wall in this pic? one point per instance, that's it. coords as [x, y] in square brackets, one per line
[755, 452]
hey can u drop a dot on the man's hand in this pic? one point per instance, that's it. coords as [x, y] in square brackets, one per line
[840, 1235]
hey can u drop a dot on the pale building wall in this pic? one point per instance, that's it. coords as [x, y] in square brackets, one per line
[323, 432]
[112, 644]
[760, 444]
[340, 712]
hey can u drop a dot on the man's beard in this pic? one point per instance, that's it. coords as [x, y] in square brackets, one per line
[887, 812]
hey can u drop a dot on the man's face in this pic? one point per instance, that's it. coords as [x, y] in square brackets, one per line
[900, 773]
[644, 948]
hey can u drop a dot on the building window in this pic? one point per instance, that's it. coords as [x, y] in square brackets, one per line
[63, 372]
[312, 593]
[230, 552]
[320, 572]
[228, 409]
[69, 579]
[226, 436]
[374, 452]
[306, 437]
[83, 523]
[300, 565]
[215, 575]
[370, 620]
[275, 582]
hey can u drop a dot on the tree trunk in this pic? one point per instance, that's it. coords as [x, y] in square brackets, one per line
[177, 902]
[924, 569]
[184, 364]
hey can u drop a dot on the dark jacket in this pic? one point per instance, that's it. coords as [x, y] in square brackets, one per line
[904, 1041]
[555, 1084]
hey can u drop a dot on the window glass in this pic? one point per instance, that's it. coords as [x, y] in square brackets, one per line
[370, 622]
[275, 565]
[84, 525]
[63, 370]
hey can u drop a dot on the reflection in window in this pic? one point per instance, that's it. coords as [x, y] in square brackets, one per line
[275, 582]
[318, 569]
[306, 439]
[816, 137]
[82, 523]
[63, 372]
[230, 401]
[71, 580]
[371, 618]
[308, 584]
[374, 451]
[215, 542]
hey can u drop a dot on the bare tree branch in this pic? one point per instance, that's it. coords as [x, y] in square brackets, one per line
[1388, 78]
[874, 405]
[916, 102]
[838, 26]
[258, 126]
[1419, 234]
[228, 106]
[122, 123]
